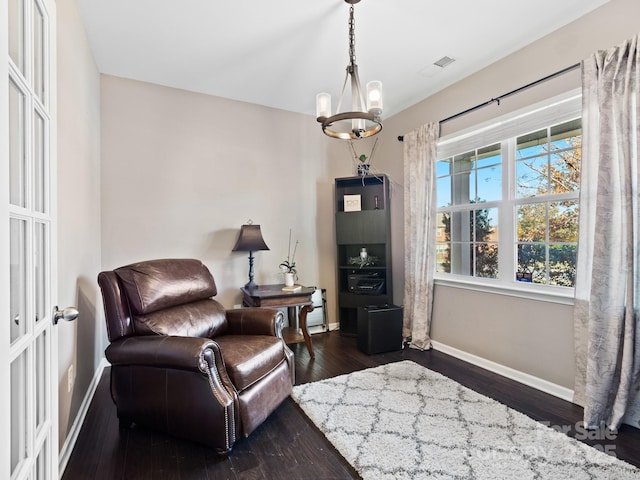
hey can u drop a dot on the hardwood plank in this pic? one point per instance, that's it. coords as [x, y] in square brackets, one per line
[287, 444]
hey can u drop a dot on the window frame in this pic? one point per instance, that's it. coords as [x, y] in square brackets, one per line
[505, 130]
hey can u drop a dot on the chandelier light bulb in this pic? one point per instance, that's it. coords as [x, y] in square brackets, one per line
[323, 105]
[374, 97]
[357, 126]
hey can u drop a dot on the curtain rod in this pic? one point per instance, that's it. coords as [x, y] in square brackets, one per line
[505, 95]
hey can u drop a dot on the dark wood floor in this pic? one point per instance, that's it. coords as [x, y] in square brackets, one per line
[287, 445]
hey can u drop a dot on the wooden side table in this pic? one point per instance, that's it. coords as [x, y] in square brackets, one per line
[273, 296]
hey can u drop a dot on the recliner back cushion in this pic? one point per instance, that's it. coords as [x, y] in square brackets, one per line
[157, 284]
[172, 297]
[204, 318]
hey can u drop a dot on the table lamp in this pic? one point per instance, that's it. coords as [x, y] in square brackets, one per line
[250, 240]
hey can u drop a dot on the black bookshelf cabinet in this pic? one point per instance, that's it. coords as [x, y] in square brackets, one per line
[362, 221]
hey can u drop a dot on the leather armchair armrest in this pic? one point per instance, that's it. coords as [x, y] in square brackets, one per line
[186, 353]
[255, 321]
[176, 361]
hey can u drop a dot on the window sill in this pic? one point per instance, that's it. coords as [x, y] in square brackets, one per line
[562, 295]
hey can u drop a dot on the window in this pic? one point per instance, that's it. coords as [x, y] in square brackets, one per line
[469, 241]
[507, 199]
[547, 186]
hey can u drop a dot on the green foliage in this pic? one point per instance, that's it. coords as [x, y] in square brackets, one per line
[289, 265]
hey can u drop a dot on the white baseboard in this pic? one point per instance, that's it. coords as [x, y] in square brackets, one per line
[72, 437]
[538, 383]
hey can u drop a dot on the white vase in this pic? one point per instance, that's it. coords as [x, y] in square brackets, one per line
[289, 279]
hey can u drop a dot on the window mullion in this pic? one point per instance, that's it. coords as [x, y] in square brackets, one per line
[506, 245]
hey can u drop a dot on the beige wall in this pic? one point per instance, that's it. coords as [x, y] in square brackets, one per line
[526, 335]
[531, 336]
[79, 243]
[182, 171]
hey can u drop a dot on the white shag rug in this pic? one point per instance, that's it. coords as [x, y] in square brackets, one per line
[402, 421]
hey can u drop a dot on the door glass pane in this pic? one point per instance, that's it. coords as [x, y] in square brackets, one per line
[18, 411]
[39, 170]
[40, 270]
[16, 32]
[38, 52]
[18, 277]
[42, 460]
[41, 379]
[16, 146]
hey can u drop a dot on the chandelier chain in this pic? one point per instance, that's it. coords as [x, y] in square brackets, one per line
[352, 38]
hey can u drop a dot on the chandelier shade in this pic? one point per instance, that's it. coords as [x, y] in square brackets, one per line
[364, 119]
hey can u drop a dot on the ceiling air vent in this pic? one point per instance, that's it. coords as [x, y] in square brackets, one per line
[444, 61]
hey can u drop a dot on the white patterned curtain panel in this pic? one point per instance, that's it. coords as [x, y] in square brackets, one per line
[607, 338]
[419, 232]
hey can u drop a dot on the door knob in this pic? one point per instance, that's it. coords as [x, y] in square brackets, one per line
[68, 314]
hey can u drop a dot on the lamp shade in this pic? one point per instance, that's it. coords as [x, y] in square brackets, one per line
[250, 239]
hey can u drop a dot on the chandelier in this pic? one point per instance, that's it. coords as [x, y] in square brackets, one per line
[361, 122]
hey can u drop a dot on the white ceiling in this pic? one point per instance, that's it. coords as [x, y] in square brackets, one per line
[280, 53]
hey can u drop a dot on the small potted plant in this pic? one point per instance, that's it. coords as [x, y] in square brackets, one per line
[288, 267]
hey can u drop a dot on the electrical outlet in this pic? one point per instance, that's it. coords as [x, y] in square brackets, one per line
[70, 378]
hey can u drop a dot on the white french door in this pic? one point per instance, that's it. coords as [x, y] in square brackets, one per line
[28, 345]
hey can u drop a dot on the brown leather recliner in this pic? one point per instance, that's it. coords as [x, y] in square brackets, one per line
[182, 364]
